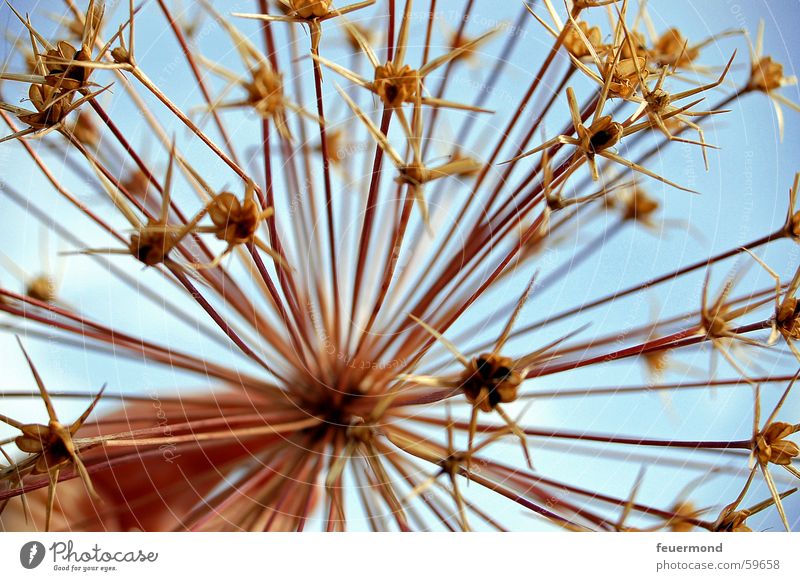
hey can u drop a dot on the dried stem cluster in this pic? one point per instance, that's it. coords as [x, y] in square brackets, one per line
[353, 302]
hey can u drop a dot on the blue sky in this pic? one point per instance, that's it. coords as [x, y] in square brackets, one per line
[742, 196]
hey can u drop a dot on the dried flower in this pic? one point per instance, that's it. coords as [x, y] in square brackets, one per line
[51, 447]
[310, 12]
[42, 288]
[574, 43]
[772, 445]
[351, 276]
[672, 49]
[767, 76]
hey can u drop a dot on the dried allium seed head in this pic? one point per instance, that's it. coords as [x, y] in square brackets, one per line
[658, 102]
[414, 174]
[656, 362]
[52, 441]
[734, 522]
[121, 56]
[310, 8]
[576, 45]
[625, 78]
[65, 76]
[766, 75]
[51, 105]
[394, 85]
[794, 226]
[680, 524]
[94, 19]
[639, 44]
[236, 222]
[715, 323]
[137, 184]
[771, 444]
[42, 288]
[491, 380]
[637, 205]
[335, 145]
[151, 247]
[671, 49]
[361, 432]
[265, 92]
[787, 317]
[85, 130]
[602, 134]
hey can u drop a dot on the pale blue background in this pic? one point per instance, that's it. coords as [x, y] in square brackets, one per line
[744, 196]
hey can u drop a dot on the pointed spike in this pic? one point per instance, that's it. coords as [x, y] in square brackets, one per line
[504, 335]
[51, 497]
[51, 412]
[85, 415]
[441, 338]
[775, 496]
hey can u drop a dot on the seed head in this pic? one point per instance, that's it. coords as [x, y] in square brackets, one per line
[121, 55]
[41, 288]
[787, 317]
[639, 45]
[734, 522]
[766, 75]
[491, 380]
[66, 76]
[52, 441]
[394, 85]
[681, 524]
[265, 91]
[772, 445]
[51, 104]
[637, 205]
[236, 222]
[672, 49]
[600, 135]
[624, 76]
[151, 247]
[310, 8]
[85, 130]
